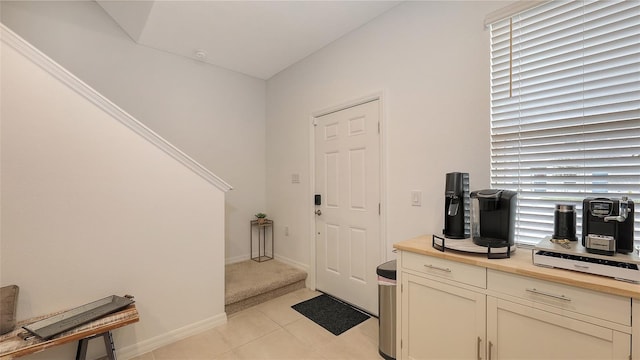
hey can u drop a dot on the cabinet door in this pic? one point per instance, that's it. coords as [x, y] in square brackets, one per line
[440, 321]
[516, 331]
[635, 318]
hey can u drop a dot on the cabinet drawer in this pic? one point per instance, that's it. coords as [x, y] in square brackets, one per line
[587, 302]
[451, 270]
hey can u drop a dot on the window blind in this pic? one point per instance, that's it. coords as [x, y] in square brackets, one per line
[565, 108]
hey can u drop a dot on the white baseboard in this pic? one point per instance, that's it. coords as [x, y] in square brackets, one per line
[293, 263]
[304, 267]
[283, 259]
[236, 259]
[172, 336]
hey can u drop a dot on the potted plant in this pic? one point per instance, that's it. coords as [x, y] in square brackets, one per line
[262, 218]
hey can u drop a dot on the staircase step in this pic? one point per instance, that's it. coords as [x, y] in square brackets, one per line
[249, 283]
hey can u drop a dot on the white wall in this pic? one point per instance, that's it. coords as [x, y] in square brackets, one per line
[430, 60]
[90, 208]
[214, 115]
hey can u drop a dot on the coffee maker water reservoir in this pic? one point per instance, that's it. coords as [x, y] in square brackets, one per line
[456, 206]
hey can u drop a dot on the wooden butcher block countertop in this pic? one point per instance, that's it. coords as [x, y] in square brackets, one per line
[13, 344]
[521, 263]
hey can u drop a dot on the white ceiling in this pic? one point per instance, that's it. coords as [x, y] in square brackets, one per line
[257, 38]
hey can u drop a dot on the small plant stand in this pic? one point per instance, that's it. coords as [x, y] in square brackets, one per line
[263, 249]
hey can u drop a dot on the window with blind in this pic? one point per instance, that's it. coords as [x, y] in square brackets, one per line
[565, 108]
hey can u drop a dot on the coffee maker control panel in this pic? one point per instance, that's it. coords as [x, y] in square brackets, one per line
[601, 208]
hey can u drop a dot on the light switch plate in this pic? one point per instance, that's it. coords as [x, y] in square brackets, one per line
[416, 198]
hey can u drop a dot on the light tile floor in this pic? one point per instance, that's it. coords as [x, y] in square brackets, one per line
[273, 330]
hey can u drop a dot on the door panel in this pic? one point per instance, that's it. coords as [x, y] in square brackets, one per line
[358, 246]
[563, 337]
[357, 179]
[332, 233]
[332, 174]
[440, 321]
[347, 174]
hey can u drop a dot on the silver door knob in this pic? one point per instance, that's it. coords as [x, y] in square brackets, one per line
[318, 212]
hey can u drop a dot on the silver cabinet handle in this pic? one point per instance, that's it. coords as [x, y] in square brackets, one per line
[478, 351]
[559, 297]
[438, 268]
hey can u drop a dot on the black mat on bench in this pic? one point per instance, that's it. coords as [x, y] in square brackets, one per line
[333, 315]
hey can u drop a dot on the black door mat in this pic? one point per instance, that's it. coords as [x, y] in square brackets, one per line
[333, 315]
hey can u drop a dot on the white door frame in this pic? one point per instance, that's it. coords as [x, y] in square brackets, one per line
[312, 183]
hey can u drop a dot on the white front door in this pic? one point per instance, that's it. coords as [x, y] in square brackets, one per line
[347, 177]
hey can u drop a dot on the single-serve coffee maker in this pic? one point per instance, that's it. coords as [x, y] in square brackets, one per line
[456, 206]
[493, 214]
[607, 225]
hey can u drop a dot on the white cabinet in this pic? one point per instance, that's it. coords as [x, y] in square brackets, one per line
[571, 322]
[516, 331]
[635, 345]
[570, 300]
[451, 271]
[442, 316]
[441, 321]
[451, 310]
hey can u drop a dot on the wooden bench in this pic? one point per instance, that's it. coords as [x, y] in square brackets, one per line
[19, 342]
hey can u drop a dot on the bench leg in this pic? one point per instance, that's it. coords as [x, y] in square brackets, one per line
[81, 353]
[109, 345]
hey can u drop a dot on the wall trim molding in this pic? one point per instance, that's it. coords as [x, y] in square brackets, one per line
[295, 264]
[43, 61]
[236, 259]
[145, 346]
[284, 259]
[304, 267]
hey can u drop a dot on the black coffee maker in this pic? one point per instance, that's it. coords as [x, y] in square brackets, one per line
[493, 214]
[607, 225]
[456, 206]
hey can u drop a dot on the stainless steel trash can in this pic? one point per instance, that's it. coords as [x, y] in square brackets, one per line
[387, 309]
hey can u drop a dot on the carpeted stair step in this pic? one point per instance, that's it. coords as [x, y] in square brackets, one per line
[249, 283]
